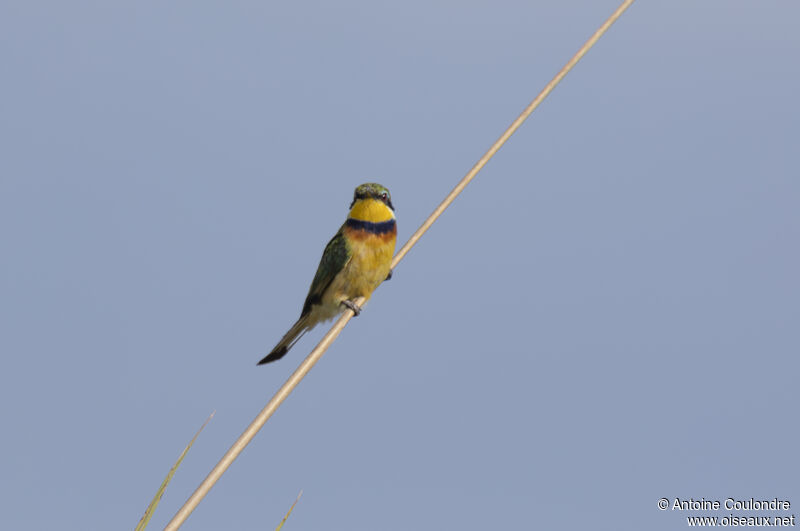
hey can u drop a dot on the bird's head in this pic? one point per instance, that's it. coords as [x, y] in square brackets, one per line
[372, 202]
[372, 191]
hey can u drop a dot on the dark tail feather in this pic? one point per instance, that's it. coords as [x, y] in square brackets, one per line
[287, 341]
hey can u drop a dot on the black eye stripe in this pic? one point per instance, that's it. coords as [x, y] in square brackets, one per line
[380, 196]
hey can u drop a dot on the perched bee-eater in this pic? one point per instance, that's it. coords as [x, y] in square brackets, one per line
[354, 263]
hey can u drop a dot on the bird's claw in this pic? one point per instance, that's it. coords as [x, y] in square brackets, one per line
[389, 276]
[351, 305]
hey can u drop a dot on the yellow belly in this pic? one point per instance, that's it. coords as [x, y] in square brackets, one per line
[367, 268]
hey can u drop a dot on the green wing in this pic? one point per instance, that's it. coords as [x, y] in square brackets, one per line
[335, 257]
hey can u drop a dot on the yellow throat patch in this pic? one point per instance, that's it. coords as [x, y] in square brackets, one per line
[371, 210]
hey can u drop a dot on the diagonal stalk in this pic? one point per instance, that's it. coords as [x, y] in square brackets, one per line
[313, 357]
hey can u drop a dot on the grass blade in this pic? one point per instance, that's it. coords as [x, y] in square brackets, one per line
[289, 512]
[148, 513]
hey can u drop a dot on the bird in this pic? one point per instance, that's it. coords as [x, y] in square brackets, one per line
[355, 262]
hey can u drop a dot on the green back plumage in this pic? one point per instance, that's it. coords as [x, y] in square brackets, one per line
[334, 258]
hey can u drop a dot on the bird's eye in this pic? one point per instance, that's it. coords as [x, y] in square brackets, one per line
[383, 196]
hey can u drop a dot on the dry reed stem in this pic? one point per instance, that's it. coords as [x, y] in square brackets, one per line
[314, 356]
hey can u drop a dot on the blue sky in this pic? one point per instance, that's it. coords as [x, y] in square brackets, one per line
[607, 316]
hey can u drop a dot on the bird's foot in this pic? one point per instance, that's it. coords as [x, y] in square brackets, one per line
[352, 306]
[389, 276]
